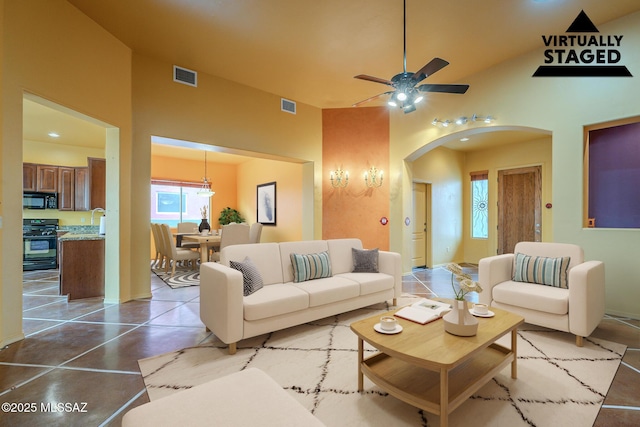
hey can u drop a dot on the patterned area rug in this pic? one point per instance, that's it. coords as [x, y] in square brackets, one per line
[558, 383]
[181, 279]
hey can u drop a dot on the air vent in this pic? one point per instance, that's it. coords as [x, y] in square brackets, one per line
[185, 76]
[288, 106]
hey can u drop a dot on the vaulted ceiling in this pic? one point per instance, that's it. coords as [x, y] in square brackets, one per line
[309, 50]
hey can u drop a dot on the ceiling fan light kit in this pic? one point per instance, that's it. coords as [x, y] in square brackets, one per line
[405, 93]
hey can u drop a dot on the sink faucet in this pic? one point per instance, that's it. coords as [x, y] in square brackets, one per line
[94, 211]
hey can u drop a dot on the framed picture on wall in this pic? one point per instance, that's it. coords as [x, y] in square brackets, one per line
[266, 203]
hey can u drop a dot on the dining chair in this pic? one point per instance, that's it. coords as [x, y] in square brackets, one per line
[232, 234]
[176, 254]
[255, 232]
[188, 227]
[158, 246]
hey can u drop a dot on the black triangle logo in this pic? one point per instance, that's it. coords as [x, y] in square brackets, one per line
[582, 24]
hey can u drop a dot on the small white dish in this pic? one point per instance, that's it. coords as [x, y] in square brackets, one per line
[397, 330]
[488, 314]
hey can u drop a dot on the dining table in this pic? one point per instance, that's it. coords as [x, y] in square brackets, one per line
[205, 240]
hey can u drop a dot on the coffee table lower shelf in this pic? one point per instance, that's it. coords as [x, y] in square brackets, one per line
[423, 388]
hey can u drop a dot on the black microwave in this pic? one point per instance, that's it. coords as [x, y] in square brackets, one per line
[34, 200]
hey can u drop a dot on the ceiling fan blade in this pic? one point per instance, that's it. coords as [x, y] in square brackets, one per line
[372, 98]
[373, 79]
[436, 64]
[459, 89]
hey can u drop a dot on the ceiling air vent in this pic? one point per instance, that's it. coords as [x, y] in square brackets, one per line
[287, 106]
[185, 76]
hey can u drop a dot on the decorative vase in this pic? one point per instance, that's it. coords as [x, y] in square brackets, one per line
[204, 225]
[459, 321]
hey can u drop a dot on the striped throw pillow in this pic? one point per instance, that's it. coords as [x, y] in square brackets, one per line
[541, 270]
[310, 266]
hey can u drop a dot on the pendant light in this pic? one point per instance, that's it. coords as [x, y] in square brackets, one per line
[205, 191]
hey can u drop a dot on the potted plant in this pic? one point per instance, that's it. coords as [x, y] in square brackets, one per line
[229, 215]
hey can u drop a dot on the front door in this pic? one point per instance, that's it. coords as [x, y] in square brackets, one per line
[519, 207]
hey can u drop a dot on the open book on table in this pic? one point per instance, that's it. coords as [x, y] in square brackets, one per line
[424, 311]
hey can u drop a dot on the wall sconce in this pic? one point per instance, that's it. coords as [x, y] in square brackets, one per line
[372, 179]
[463, 120]
[339, 178]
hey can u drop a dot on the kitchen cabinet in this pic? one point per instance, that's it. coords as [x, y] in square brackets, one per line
[47, 178]
[82, 189]
[29, 176]
[66, 188]
[97, 183]
[81, 266]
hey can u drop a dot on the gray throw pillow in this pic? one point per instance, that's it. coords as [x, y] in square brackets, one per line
[365, 260]
[251, 278]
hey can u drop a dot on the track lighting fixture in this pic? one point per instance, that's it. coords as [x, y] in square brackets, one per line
[463, 120]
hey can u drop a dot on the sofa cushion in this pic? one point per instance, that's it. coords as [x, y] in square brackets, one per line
[541, 270]
[365, 260]
[251, 278]
[329, 290]
[340, 253]
[266, 257]
[370, 283]
[274, 300]
[532, 296]
[310, 266]
[302, 247]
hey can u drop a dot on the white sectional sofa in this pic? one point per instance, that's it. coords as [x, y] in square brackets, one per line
[282, 302]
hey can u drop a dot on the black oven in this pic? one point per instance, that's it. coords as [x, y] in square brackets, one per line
[40, 244]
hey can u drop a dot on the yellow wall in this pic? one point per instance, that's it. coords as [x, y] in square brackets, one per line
[561, 106]
[52, 50]
[530, 153]
[289, 201]
[444, 170]
[223, 114]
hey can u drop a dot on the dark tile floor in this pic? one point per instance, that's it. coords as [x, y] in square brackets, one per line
[83, 354]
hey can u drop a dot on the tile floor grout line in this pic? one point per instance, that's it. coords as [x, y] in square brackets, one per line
[630, 408]
[123, 407]
[44, 305]
[70, 368]
[630, 367]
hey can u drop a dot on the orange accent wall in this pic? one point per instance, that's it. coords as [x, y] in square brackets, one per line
[355, 139]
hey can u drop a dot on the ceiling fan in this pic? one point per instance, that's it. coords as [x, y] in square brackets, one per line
[405, 93]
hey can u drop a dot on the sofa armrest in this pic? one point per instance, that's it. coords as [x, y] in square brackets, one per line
[391, 263]
[586, 297]
[221, 301]
[491, 271]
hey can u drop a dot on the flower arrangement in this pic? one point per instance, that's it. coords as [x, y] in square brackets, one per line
[203, 212]
[466, 283]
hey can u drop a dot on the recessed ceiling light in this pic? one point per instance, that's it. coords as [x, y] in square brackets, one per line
[465, 139]
[54, 135]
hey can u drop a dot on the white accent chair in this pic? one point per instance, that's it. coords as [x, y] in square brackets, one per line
[577, 310]
[232, 234]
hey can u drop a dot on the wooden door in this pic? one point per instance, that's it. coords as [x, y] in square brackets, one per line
[419, 231]
[519, 207]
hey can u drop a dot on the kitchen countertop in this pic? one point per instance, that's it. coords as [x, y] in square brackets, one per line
[73, 236]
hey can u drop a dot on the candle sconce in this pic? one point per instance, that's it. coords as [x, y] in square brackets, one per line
[339, 178]
[373, 178]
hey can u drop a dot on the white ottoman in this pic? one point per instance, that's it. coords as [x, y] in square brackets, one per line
[245, 398]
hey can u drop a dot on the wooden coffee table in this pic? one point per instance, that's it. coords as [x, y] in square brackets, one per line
[431, 369]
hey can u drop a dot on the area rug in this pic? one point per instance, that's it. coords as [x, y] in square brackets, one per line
[181, 279]
[558, 383]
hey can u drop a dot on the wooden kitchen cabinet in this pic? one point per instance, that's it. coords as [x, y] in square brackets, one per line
[29, 177]
[82, 193]
[47, 178]
[97, 183]
[81, 268]
[66, 188]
